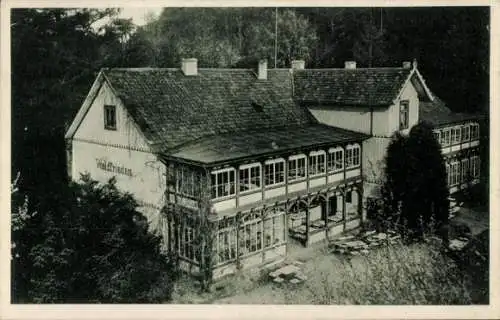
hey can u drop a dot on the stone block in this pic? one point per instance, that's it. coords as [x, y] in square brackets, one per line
[278, 280]
[288, 269]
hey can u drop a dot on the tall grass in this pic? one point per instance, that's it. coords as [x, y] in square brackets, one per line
[397, 275]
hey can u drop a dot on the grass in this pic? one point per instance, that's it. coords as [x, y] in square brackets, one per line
[396, 275]
[419, 274]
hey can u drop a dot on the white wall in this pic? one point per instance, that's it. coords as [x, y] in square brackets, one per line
[358, 118]
[351, 118]
[143, 174]
[374, 152]
[92, 126]
[408, 93]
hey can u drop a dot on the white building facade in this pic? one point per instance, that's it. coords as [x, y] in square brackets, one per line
[279, 157]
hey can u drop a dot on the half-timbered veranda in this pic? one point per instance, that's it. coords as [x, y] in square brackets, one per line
[258, 208]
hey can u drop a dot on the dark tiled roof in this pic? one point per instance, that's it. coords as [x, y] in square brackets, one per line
[367, 86]
[220, 148]
[172, 109]
[438, 114]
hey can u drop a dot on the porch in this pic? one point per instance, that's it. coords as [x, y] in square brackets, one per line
[268, 233]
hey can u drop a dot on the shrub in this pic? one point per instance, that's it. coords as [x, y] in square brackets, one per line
[415, 186]
[89, 244]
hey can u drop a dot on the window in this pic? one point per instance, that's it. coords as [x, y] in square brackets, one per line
[317, 163]
[251, 234]
[465, 133]
[187, 248]
[274, 229]
[187, 183]
[474, 166]
[110, 117]
[454, 173]
[455, 135]
[404, 115]
[296, 168]
[445, 137]
[474, 131]
[437, 136]
[352, 157]
[250, 177]
[226, 245]
[464, 176]
[223, 183]
[335, 159]
[274, 172]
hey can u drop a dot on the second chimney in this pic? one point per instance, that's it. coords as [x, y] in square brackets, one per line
[406, 64]
[262, 70]
[298, 64]
[190, 66]
[350, 64]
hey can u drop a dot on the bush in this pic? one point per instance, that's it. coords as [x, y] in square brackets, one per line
[474, 260]
[415, 186]
[89, 244]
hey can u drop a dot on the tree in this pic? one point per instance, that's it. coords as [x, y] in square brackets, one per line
[226, 37]
[90, 244]
[296, 37]
[56, 54]
[415, 188]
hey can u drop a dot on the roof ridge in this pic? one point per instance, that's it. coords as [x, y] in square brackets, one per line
[246, 69]
[355, 69]
[139, 69]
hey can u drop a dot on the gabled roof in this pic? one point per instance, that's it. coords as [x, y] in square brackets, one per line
[230, 110]
[439, 115]
[217, 149]
[172, 109]
[356, 87]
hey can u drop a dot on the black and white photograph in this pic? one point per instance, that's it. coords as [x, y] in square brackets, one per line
[240, 155]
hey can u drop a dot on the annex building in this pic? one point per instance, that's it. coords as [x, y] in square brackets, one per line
[278, 158]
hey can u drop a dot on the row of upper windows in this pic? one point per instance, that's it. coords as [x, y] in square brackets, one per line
[317, 163]
[457, 134]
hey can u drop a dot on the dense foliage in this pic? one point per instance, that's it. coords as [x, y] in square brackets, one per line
[87, 243]
[415, 190]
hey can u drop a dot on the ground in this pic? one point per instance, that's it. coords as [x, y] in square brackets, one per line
[319, 265]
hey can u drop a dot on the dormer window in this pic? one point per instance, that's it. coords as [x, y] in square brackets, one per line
[404, 115]
[109, 117]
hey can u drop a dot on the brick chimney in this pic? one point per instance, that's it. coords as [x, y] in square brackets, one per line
[414, 63]
[298, 64]
[350, 65]
[190, 66]
[262, 70]
[406, 65]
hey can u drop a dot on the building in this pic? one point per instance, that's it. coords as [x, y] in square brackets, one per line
[276, 158]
